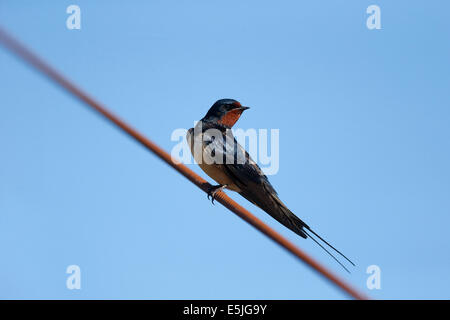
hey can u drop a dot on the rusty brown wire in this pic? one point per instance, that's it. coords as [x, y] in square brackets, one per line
[19, 50]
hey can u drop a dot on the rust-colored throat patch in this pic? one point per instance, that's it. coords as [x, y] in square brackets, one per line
[231, 117]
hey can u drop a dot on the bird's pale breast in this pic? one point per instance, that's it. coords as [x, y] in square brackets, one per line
[206, 163]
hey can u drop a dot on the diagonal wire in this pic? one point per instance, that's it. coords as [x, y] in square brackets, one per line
[22, 52]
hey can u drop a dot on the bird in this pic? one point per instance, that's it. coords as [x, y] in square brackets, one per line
[222, 158]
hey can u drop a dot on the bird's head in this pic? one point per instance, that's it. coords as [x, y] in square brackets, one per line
[225, 112]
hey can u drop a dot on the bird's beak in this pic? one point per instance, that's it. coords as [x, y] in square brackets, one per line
[244, 108]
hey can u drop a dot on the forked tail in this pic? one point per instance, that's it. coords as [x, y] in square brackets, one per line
[305, 228]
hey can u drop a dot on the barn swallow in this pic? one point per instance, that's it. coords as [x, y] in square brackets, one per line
[223, 159]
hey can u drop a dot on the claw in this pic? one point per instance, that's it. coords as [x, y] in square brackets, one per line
[213, 191]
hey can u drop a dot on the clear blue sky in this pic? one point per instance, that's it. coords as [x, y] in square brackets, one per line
[364, 147]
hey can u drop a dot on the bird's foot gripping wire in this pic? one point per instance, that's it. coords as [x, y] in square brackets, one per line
[213, 191]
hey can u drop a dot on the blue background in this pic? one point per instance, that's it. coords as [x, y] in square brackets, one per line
[364, 147]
